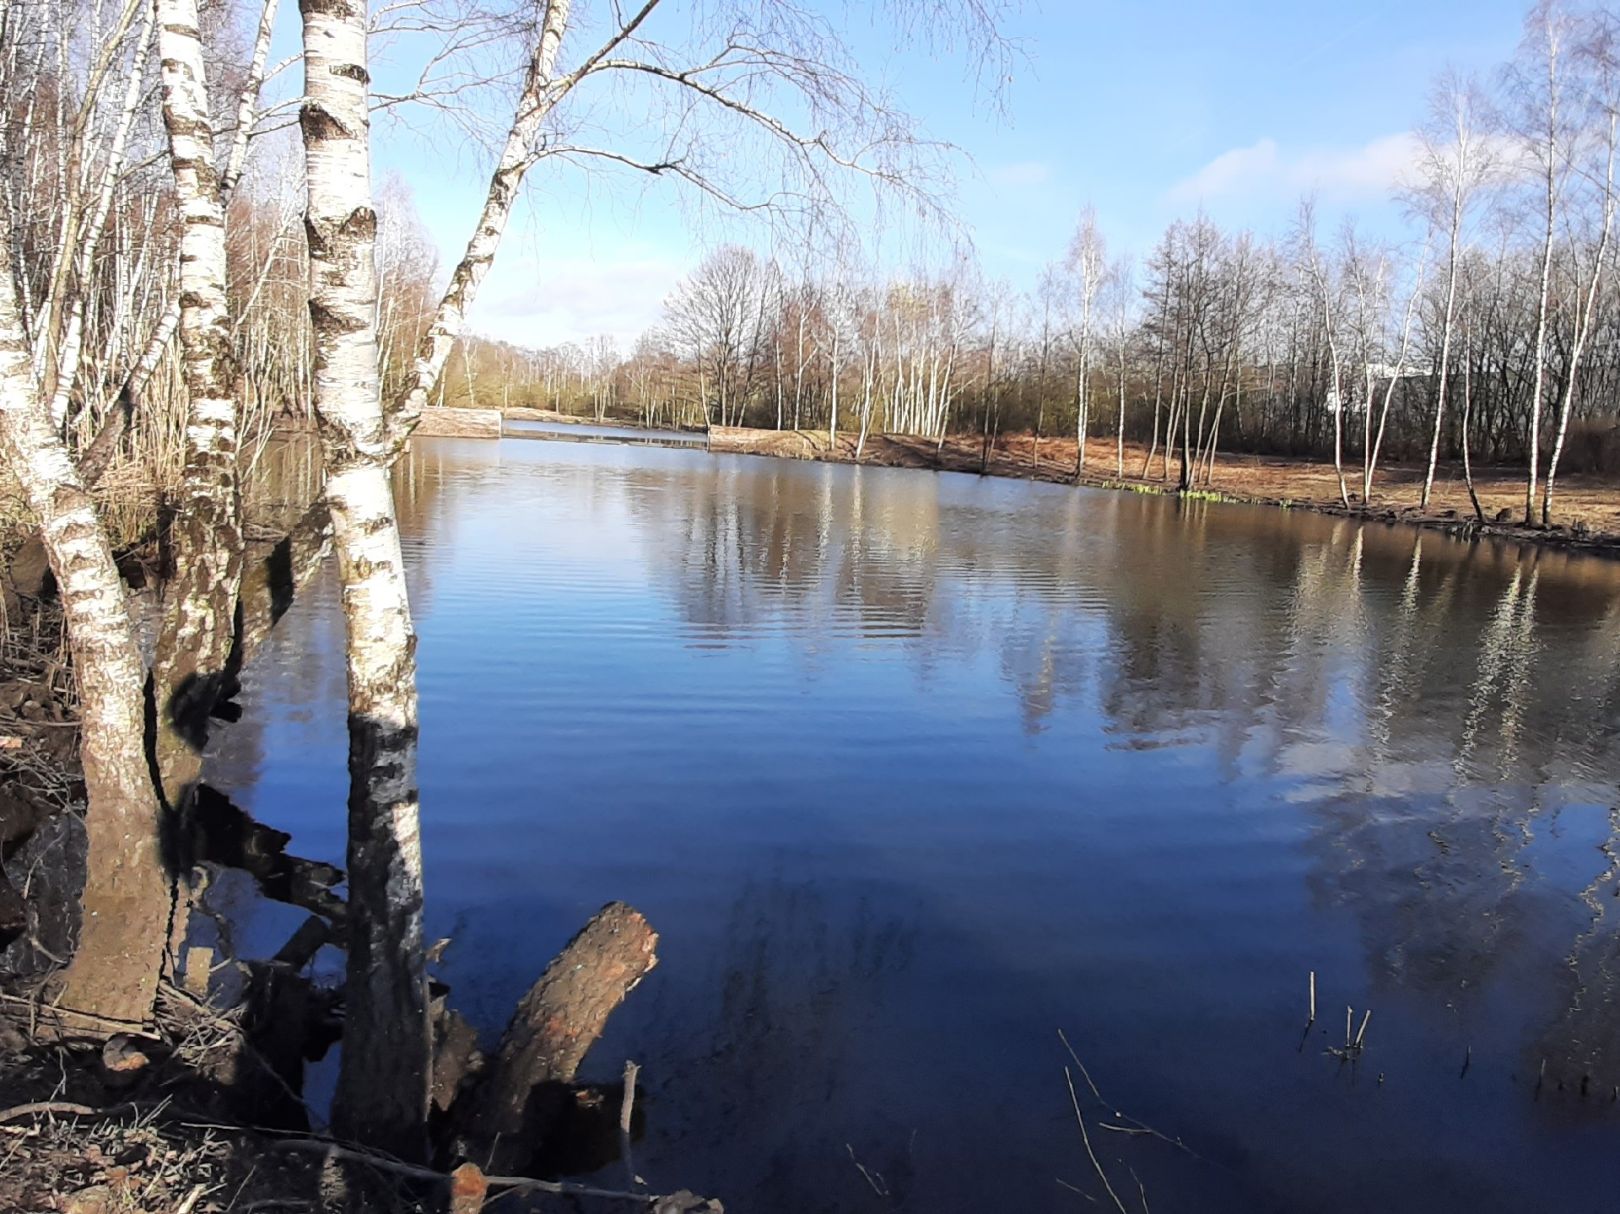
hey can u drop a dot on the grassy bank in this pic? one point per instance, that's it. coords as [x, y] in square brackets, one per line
[1587, 507]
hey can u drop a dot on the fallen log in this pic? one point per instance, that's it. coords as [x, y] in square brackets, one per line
[506, 1115]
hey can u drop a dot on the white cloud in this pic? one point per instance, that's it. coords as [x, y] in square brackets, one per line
[1374, 168]
[548, 301]
[1020, 174]
[1263, 169]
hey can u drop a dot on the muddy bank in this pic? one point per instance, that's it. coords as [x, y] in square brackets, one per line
[1589, 507]
[459, 423]
[568, 419]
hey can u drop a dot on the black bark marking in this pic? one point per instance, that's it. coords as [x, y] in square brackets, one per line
[319, 124]
[361, 224]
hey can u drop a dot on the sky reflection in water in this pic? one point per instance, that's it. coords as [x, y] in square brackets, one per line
[911, 770]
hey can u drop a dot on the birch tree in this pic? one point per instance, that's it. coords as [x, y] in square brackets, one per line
[1088, 263]
[125, 907]
[1326, 292]
[1122, 276]
[1537, 80]
[1602, 106]
[1373, 437]
[1455, 164]
[383, 1083]
[197, 634]
[382, 1091]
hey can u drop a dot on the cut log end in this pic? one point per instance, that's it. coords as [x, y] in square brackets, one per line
[555, 1025]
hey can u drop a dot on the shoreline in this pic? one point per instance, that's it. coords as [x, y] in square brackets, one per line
[1054, 464]
[1590, 503]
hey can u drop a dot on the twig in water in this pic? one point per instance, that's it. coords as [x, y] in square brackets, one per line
[1075, 1189]
[872, 1176]
[1080, 1120]
[1136, 1126]
[1312, 1019]
[1362, 1032]
[1082, 1067]
[627, 1108]
[1141, 1190]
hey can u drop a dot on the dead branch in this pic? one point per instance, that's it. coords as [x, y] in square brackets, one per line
[673, 1203]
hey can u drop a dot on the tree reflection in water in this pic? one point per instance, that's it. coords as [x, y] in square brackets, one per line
[910, 769]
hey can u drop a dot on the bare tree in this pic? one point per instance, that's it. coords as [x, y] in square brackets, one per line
[1122, 278]
[196, 640]
[1537, 83]
[1327, 291]
[382, 1087]
[717, 314]
[1602, 114]
[1373, 438]
[1456, 162]
[1088, 264]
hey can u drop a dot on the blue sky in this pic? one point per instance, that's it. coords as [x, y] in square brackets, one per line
[1144, 110]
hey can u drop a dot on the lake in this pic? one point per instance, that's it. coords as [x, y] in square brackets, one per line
[913, 770]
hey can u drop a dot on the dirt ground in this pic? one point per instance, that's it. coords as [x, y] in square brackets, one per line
[1586, 509]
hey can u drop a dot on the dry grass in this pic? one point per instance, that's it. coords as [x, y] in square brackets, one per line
[156, 1160]
[72, 1140]
[38, 708]
[124, 1165]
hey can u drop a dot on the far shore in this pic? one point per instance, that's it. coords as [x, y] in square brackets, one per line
[1586, 507]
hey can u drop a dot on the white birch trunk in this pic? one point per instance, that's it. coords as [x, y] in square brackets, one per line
[1445, 349]
[1583, 327]
[194, 647]
[382, 1096]
[126, 902]
[539, 97]
[247, 103]
[1369, 466]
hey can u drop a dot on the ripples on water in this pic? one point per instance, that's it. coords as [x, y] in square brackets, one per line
[910, 770]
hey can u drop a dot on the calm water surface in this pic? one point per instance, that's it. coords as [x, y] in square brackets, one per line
[912, 770]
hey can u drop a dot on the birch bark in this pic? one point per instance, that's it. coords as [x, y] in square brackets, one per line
[383, 1082]
[541, 93]
[1583, 328]
[126, 903]
[194, 647]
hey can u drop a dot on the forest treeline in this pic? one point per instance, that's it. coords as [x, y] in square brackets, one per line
[1487, 334]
